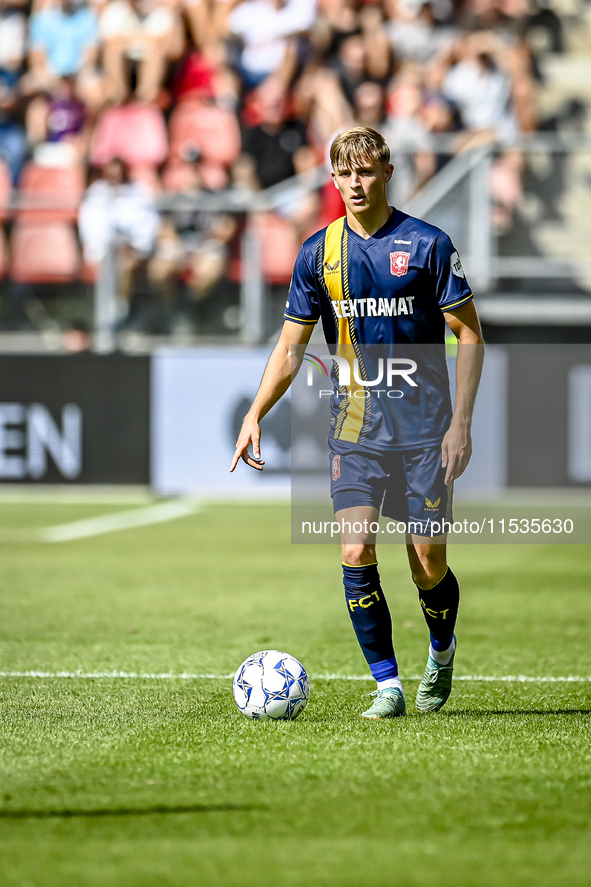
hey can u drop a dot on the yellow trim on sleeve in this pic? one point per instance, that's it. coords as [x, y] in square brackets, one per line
[456, 304]
[298, 319]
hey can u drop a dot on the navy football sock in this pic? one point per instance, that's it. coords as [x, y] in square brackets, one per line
[371, 619]
[440, 609]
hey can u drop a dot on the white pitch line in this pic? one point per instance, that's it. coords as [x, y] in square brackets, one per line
[121, 520]
[189, 676]
[129, 675]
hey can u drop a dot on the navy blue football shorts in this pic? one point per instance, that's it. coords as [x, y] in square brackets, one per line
[407, 486]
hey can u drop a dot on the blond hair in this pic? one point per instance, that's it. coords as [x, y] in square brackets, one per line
[356, 146]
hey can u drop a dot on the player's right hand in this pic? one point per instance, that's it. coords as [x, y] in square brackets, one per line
[249, 434]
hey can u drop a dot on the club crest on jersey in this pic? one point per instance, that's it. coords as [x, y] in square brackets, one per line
[336, 467]
[399, 263]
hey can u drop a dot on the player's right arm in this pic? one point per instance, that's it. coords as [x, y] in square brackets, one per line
[283, 365]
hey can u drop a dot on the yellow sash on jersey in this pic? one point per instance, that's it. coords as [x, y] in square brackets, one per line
[354, 408]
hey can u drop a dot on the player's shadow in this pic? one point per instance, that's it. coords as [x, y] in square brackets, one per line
[490, 713]
[127, 811]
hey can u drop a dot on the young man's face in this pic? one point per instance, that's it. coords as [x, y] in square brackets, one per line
[364, 186]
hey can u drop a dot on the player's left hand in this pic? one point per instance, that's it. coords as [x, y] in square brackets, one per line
[456, 449]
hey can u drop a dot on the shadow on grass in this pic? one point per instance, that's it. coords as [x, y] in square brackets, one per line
[489, 713]
[127, 811]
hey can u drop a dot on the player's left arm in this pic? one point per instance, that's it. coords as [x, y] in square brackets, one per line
[456, 447]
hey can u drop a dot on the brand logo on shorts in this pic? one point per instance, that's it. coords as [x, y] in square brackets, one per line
[336, 467]
[399, 263]
[432, 506]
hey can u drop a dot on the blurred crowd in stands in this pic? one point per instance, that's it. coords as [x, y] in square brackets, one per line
[108, 104]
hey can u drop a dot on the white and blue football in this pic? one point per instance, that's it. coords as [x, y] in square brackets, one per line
[271, 684]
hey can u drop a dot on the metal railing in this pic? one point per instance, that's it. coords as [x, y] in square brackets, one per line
[473, 169]
[469, 219]
[252, 283]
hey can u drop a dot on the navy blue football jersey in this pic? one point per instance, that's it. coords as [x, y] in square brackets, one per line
[383, 297]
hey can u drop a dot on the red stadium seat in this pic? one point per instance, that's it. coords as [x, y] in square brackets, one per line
[3, 253]
[279, 247]
[50, 195]
[5, 191]
[135, 133]
[43, 252]
[178, 176]
[88, 273]
[201, 126]
[331, 206]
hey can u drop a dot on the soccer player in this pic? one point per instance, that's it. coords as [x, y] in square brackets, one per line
[380, 277]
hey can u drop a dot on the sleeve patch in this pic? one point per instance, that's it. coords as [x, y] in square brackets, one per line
[456, 265]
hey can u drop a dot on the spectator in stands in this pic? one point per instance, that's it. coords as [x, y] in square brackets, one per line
[13, 41]
[405, 130]
[264, 29]
[335, 21]
[141, 36]
[193, 247]
[120, 214]
[319, 101]
[13, 141]
[487, 14]
[378, 58]
[57, 125]
[275, 149]
[63, 41]
[208, 24]
[411, 148]
[207, 74]
[350, 65]
[363, 55]
[415, 32]
[276, 146]
[480, 86]
[369, 104]
[545, 21]
[440, 118]
[200, 20]
[490, 82]
[195, 78]
[366, 55]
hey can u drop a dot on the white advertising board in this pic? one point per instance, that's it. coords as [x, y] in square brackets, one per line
[200, 396]
[579, 426]
[487, 470]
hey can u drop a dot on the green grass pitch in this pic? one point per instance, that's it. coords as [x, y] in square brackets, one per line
[157, 782]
